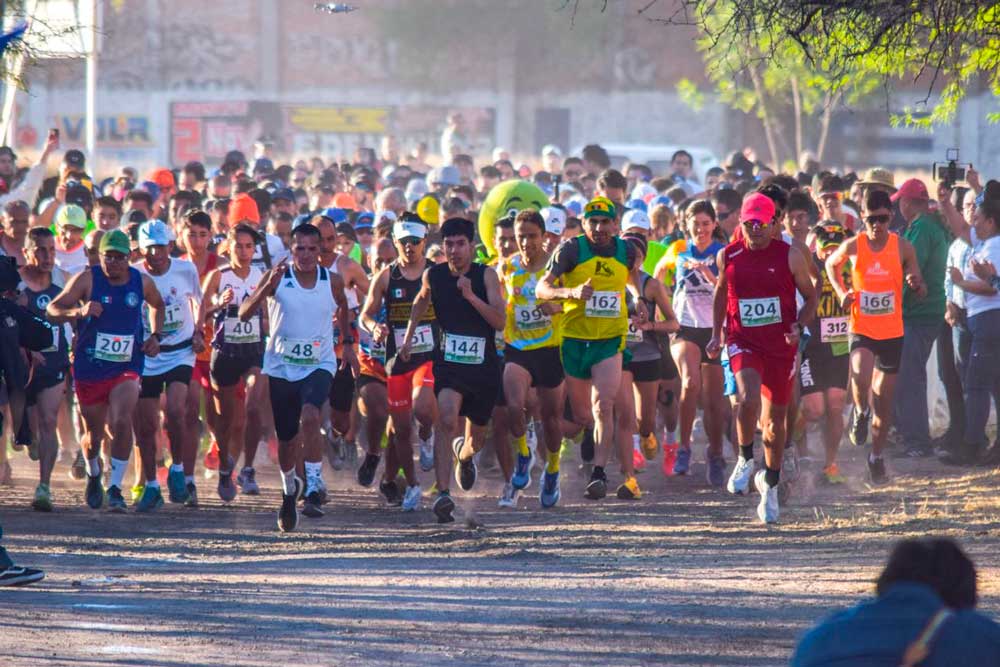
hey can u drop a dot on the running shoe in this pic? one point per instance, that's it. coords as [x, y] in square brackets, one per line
[151, 500]
[288, 515]
[95, 492]
[247, 481]
[427, 453]
[366, 473]
[20, 576]
[831, 475]
[411, 499]
[176, 486]
[739, 481]
[390, 491]
[335, 451]
[767, 508]
[508, 498]
[444, 508]
[465, 471]
[226, 487]
[192, 495]
[587, 445]
[116, 502]
[321, 490]
[312, 506]
[79, 468]
[549, 494]
[649, 446]
[272, 449]
[715, 471]
[857, 428]
[638, 459]
[683, 462]
[597, 488]
[522, 471]
[137, 490]
[629, 490]
[876, 470]
[43, 499]
[6, 473]
[669, 459]
[212, 457]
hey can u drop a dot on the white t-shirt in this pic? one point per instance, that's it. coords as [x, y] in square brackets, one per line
[181, 291]
[275, 247]
[986, 250]
[72, 261]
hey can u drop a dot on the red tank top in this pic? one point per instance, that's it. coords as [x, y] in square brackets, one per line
[760, 298]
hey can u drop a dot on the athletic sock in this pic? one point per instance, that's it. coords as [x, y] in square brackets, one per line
[671, 438]
[118, 468]
[552, 465]
[93, 467]
[872, 458]
[746, 451]
[771, 476]
[153, 485]
[288, 482]
[522, 445]
[313, 472]
[177, 467]
[189, 479]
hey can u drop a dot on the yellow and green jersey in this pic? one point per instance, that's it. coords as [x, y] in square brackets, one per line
[528, 327]
[604, 314]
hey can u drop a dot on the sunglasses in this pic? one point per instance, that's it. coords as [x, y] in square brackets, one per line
[878, 219]
[410, 240]
[756, 224]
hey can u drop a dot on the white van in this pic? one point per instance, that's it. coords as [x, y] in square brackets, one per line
[657, 157]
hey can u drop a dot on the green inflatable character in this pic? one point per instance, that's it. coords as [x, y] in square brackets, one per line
[514, 195]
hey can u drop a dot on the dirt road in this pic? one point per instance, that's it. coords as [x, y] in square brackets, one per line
[683, 577]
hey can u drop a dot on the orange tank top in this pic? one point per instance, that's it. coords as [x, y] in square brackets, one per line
[877, 310]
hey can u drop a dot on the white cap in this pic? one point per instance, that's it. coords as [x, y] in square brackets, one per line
[153, 233]
[635, 219]
[642, 191]
[385, 215]
[551, 149]
[402, 230]
[555, 220]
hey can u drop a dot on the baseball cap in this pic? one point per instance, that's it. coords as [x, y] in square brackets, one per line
[575, 205]
[243, 207]
[115, 241]
[283, 193]
[415, 189]
[334, 215]
[446, 175]
[153, 232]
[635, 218]
[382, 216]
[599, 207]
[428, 209]
[364, 220]
[757, 206]
[345, 200]
[164, 178]
[402, 230]
[879, 176]
[661, 200]
[555, 220]
[829, 232]
[551, 149]
[301, 219]
[637, 204]
[71, 215]
[912, 188]
[74, 158]
[643, 191]
[151, 187]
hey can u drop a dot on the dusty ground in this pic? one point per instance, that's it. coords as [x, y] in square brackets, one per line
[683, 577]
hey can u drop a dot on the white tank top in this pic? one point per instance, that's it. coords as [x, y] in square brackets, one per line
[242, 288]
[178, 286]
[301, 338]
[350, 293]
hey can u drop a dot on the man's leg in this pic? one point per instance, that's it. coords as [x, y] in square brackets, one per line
[606, 378]
[948, 374]
[189, 424]
[449, 402]
[146, 422]
[748, 387]
[258, 412]
[883, 388]
[918, 340]
[833, 427]
[46, 418]
[121, 408]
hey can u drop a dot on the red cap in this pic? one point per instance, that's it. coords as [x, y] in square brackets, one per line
[243, 208]
[163, 177]
[912, 188]
[757, 207]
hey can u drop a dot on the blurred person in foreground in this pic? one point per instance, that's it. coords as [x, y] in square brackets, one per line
[923, 613]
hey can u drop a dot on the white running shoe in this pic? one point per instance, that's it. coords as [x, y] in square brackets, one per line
[739, 481]
[509, 496]
[411, 499]
[427, 452]
[767, 508]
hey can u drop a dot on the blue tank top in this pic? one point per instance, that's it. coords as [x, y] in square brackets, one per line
[111, 344]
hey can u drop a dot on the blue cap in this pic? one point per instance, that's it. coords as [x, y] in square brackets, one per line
[335, 215]
[152, 188]
[637, 204]
[153, 233]
[283, 193]
[301, 219]
[364, 220]
[661, 200]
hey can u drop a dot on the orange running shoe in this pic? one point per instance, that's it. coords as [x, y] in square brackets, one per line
[669, 459]
[638, 460]
[212, 456]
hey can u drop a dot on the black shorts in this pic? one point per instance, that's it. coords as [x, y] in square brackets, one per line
[287, 399]
[152, 385]
[700, 337]
[228, 371]
[41, 379]
[365, 380]
[821, 370]
[645, 371]
[888, 353]
[479, 387]
[544, 365]
[342, 389]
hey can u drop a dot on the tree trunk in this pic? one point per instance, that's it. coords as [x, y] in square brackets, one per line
[765, 114]
[797, 110]
[824, 128]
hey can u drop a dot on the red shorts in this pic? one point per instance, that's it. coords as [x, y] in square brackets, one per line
[400, 387]
[99, 391]
[776, 373]
[203, 374]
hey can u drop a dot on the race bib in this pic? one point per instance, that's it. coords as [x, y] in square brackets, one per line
[531, 318]
[299, 351]
[464, 349]
[423, 339]
[116, 348]
[634, 335]
[370, 347]
[878, 303]
[173, 318]
[238, 332]
[833, 329]
[604, 304]
[760, 312]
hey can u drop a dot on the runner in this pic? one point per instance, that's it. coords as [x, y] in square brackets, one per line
[46, 390]
[410, 381]
[236, 358]
[594, 269]
[881, 262]
[299, 361]
[469, 309]
[107, 361]
[531, 354]
[755, 300]
[170, 371]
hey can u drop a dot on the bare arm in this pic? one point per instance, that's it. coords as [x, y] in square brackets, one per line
[548, 290]
[155, 303]
[801, 269]
[494, 310]
[210, 301]
[369, 313]
[719, 297]
[952, 217]
[264, 289]
[358, 278]
[835, 269]
[66, 306]
[658, 291]
[343, 314]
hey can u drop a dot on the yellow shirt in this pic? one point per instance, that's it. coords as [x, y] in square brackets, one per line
[604, 314]
[527, 328]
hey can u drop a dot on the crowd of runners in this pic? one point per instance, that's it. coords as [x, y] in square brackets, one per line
[408, 322]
